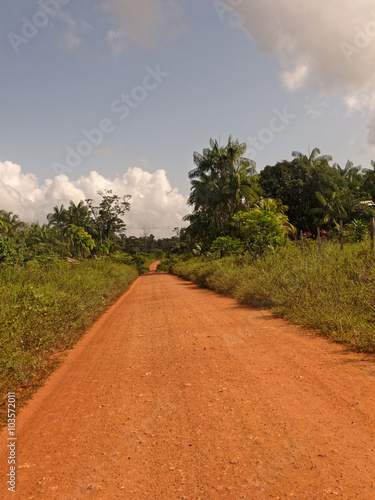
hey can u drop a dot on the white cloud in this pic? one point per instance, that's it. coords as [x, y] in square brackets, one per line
[328, 48]
[311, 41]
[295, 78]
[154, 204]
[148, 23]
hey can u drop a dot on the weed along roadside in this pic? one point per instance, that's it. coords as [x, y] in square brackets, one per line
[45, 310]
[329, 291]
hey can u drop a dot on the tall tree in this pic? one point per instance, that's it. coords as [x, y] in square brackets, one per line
[222, 183]
[108, 215]
[296, 182]
[78, 214]
[12, 222]
[368, 181]
[59, 217]
[313, 159]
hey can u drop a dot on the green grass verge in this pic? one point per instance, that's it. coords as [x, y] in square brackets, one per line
[44, 310]
[331, 291]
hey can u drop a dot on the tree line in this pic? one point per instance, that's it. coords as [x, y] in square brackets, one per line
[80, 231]
[236, 209]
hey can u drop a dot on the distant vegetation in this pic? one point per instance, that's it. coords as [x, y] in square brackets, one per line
[238, 211]
[80, 231]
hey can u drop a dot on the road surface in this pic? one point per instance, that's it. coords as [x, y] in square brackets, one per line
[180, 393]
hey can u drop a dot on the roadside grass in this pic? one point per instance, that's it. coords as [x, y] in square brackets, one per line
[44, 310]
[331, 292]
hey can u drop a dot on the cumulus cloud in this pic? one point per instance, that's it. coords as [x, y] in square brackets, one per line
[154, 204]
[147, 23]
[328, 48]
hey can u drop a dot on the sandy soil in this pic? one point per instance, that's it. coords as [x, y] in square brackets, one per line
[177, 392]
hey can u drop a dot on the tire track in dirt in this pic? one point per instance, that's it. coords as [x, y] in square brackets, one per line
[177, 392]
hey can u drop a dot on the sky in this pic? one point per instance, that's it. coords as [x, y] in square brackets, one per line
[118, 94]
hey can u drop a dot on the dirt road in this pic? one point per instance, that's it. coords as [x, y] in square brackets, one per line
[177, 392]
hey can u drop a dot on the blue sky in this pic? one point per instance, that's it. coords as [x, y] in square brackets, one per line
[118, 94]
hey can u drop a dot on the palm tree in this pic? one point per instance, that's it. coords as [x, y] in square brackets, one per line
[313, 159]
[240, 187]
[78, 214]
[349, 171]
[222, 182]
[331, 207]
[271, 205]
[201, 227]
[12, 222]
[206, 182]
[59, 217]
[278, 209]
[45, 239]
[369, 180]
[206, 195]
[208, 162]
[352, 175]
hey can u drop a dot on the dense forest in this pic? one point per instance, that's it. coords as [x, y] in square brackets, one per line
[79, 231]
[235, 209]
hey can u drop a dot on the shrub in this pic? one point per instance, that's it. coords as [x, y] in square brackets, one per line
[260, 231]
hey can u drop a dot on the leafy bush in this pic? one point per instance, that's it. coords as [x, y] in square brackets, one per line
[260, 231]
[225, 245]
